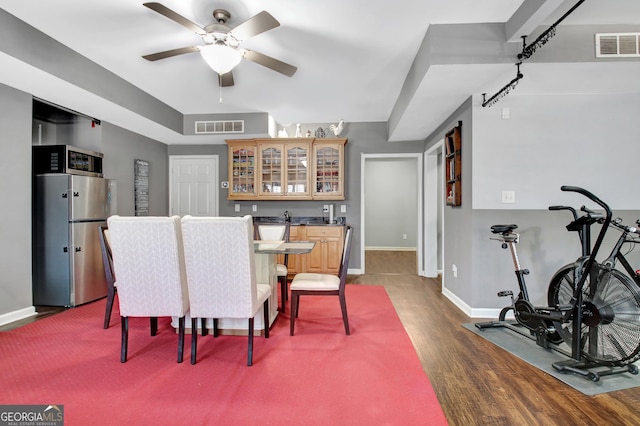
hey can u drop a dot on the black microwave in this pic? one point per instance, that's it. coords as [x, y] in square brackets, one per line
[66, 159]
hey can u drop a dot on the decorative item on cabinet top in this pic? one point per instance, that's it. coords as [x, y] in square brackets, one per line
[286, 168]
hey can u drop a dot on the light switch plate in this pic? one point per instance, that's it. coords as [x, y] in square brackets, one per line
[237, 208]
[343, 208]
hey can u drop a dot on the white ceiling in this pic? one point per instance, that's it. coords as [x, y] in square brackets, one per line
[352, 56]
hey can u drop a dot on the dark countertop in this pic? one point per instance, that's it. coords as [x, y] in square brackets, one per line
[301, 220]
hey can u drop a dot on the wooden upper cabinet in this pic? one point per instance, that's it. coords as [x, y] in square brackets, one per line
[242, 170]
[328, 169]
[277, 169]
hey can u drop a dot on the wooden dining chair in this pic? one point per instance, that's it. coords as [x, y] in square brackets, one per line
[277, 232]
[221, 274]
[148, 263]
[314, 284]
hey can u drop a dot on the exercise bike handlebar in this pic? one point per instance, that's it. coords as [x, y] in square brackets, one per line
[590, 196]
[571, 209]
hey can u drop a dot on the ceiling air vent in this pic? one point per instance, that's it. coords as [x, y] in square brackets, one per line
[618, 45]
[214, 127]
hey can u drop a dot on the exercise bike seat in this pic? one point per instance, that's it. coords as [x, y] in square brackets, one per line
[503, 229]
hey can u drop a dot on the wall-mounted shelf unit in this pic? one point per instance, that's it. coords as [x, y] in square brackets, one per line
[453, 166]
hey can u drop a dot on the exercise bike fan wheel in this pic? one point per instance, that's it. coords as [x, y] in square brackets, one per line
[610, 333]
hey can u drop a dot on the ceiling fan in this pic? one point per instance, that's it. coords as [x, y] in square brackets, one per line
[221, 48]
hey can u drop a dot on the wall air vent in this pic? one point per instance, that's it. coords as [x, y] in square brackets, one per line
[217, 127]
[618, 45]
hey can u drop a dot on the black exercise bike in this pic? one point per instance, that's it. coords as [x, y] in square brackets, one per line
[596, 299]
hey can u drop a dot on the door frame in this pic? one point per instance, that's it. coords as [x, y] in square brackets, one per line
[216, 163]
[419, 216]
[433, 209]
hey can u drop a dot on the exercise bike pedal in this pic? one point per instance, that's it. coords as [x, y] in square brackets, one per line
[505, 293]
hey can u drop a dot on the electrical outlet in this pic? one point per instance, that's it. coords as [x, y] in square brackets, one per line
[254, 208]
[454, 269]
[404, 236]
[237, 208]
[325, 208]
[343, 208]
[508, 197]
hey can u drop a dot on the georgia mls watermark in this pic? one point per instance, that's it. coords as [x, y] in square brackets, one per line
[31, 415]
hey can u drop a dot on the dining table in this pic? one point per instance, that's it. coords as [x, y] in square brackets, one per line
[265, 263]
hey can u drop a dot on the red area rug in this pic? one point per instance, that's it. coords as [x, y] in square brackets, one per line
[320, 376]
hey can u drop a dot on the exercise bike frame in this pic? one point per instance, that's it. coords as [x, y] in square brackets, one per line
[537, 319]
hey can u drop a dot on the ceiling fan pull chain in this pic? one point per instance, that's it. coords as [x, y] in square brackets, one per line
[220, 86]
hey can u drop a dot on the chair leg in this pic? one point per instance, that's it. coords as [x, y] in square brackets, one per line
[124, 322]
[153, 321]
[265, 308]
[283, 291]
[250, 344]
[107, 314]
[203, 326]
[345, 318]
[295, 297]
[194, 339]
[180, 338]
[215, 327]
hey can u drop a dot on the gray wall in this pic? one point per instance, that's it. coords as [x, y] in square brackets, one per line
[364, 138]
[458, 249]
[15, 191]
[534, 153]
[120, 148]
[391, 203]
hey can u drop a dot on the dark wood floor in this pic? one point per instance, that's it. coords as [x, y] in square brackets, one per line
[476, 382]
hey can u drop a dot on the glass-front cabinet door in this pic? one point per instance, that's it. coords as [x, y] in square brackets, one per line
[328, 170]
[297, 178]
[242, 170]
[271, 170]
[284, 169]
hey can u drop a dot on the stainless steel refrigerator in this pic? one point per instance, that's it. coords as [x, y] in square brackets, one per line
[67, 262]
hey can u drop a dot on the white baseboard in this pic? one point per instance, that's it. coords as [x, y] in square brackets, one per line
[17, 315]
[473, 312]
[374, 248]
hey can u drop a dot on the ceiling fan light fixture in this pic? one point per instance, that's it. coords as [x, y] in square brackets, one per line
[220, 57]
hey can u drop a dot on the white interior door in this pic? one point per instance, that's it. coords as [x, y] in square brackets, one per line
[194, 185]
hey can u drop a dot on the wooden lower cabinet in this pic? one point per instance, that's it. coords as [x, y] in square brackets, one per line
[326, 255]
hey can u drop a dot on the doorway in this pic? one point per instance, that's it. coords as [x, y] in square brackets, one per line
[391, 200]
[193, 185]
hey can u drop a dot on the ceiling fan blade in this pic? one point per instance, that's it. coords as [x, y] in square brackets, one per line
[255, 25]
[226, 80]
[170, 53]
[269, 62]
[165, 11]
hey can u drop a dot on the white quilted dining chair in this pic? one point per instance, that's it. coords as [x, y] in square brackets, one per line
[148, 263]
[221, 274]
[314, 284]
[277, 232]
